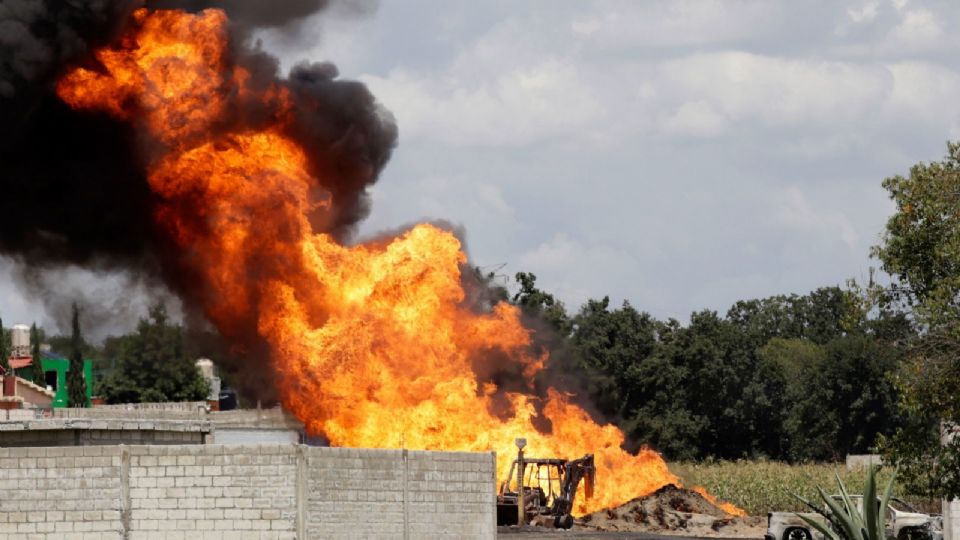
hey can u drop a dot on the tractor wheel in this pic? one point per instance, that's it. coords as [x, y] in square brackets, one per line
[797, 533]
[563, 522]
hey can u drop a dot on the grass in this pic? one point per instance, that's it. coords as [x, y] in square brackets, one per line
[760, 487]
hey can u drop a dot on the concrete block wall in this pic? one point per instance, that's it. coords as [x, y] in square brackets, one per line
[212, 491]
[77, 432]
[452, 494]
[354, 493]
[275, 418]
[18, 414]
[367, 493]
[69, 493]
[192, 407]
[275, 491]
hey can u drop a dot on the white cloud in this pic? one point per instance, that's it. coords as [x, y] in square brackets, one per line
[492, 195]
[560, 251]
[518, 107]
[564, 266]
[919, 30]
[926, 93]
[631, 25]
[899, 4]
[708, 148]
[796, 212]
[772, 91]
[864, 13]
[695, 118]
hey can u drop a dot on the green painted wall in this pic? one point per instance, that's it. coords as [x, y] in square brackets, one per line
[61, 366]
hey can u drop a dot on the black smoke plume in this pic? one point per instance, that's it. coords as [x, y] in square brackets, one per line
[73, 189]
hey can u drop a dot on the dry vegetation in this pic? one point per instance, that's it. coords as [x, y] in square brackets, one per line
[767, 486]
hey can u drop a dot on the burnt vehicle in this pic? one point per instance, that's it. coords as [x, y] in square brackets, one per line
[548, 489]
[904, 522]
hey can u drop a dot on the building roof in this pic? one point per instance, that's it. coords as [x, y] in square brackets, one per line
[20, 363]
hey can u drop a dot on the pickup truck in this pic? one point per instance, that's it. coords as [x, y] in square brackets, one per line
[903, 523]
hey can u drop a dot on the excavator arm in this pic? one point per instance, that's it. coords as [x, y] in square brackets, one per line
[575, 471]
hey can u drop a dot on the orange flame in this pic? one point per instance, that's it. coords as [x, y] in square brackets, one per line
[373, 342]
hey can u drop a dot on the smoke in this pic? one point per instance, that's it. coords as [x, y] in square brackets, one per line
[73, 189]
[38, 37]
[103, 297]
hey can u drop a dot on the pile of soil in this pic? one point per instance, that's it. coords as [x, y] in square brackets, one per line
[672, 509]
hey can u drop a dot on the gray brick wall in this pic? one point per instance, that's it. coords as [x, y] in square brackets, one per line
[245, 491]
[217, 491]
[452, 495]
[69, 493]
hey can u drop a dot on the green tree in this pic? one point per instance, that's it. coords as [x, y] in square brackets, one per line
[76, 385]
[538, 304]
[611, 345]
[720, 363]
[821, 315]
[35, 339]
[929, 383]
[842, 399]
[4, 349]
[920, 248]
[921, 243]
[152, 365]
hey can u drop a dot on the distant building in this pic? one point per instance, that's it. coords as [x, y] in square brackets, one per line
[20, 393]
[55, 369]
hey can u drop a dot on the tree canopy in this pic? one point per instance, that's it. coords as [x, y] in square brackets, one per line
[792, 377]
[920, 248]
[150, 365]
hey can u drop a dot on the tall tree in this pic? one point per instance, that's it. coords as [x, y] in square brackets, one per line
[611, 345]
[35, 338]
[921, 249]
[921, 243]
[4, 349]
[76, 385]
[153, 366]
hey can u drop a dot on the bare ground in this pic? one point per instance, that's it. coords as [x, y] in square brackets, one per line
[669, 513]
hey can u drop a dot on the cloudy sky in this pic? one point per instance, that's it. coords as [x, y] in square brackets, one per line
[678, 154]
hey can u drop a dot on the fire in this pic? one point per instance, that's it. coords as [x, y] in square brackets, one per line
[374, 343]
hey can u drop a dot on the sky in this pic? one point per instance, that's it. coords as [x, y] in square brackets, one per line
[678, 154]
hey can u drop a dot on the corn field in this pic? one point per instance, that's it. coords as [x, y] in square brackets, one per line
[760, 487]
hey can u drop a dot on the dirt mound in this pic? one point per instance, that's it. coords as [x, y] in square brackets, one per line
[670, 509]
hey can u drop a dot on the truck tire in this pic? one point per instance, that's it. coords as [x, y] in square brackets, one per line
[796, 533]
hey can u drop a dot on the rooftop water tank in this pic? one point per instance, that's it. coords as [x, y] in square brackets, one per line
[20, 340]
[205, 365]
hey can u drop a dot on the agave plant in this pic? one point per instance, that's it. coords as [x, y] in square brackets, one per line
[848, 521]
